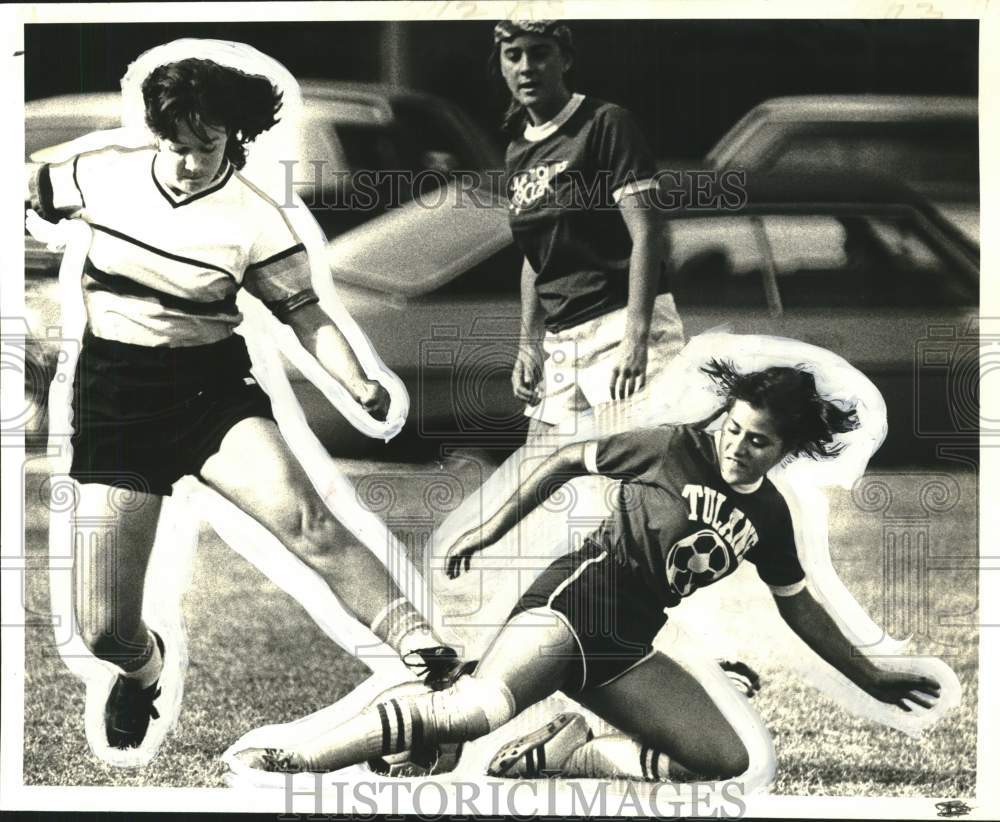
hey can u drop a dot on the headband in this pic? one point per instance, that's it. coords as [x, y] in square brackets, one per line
[556, 29]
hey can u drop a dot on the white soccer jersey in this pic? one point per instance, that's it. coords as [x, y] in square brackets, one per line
[163, 268]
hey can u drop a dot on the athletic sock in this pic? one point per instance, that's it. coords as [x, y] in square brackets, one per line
[147, 666]
[466, 710]
[617, 755]
[402, 628]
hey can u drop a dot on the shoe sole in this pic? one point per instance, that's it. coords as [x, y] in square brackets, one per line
[524, 747]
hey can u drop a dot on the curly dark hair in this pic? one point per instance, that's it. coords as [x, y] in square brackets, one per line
[200, 92]
[805, 421]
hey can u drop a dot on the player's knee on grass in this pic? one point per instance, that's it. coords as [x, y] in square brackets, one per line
[722, 762]
[707, 750]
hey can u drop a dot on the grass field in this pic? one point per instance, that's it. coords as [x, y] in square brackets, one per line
[256, 658]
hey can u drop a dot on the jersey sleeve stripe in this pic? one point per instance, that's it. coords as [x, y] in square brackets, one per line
[159, 251]
[633, 188]
[281, 255]
[125, 286]
[283, 309]
[787, 590]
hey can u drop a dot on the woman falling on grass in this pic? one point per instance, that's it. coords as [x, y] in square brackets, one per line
[692, 505]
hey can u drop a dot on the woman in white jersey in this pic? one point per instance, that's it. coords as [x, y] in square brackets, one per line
[597, 321]
[162, 385]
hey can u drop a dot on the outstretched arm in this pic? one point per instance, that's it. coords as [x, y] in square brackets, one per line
[324, 340]
[557, 469]
[810, 620]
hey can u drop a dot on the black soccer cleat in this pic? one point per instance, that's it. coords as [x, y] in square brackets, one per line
[744, 678]
[130, 708]
[439, 666]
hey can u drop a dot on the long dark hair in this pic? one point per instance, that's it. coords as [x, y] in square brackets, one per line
[805, 421]
[200, 92]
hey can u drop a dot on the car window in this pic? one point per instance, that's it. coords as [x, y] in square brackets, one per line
[919, 152]
[860, 260]
[433, 141]
[419, 139]
[715, 261]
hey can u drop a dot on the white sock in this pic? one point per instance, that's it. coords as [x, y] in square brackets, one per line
[149, 671]
[402, 628]
[617, 755]
[465, 711]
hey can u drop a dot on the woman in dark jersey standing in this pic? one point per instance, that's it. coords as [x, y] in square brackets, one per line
[579, 171]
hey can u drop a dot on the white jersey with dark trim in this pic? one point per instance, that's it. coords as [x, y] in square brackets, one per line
[163, 269]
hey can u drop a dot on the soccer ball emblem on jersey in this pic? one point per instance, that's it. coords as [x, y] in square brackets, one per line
[527, 188]
[697, 560]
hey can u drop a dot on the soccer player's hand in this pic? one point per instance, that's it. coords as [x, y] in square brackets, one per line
[459, 557]
[897, 688]
[629, 373]
[527, 375]
[374, 399]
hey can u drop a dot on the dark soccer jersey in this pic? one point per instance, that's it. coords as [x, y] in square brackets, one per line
[563, 191]
[678, 526]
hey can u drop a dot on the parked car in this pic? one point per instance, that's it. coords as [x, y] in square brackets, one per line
[860, 265]
[930, 143]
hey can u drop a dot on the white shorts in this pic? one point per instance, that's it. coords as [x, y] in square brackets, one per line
[579, 360]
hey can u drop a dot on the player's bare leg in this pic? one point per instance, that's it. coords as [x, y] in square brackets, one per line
[255, 469]
[109, 582]
[671, 728]
[523, 665]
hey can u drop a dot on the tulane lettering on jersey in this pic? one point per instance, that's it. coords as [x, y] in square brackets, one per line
[706, 505]
[528, 188]
[679, 527]
[707, 555]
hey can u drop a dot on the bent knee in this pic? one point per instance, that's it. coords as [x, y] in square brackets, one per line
[733, 762]
[110, 646]
[723, 761]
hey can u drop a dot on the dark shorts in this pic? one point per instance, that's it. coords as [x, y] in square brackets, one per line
[600, 602]
[144, 417]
